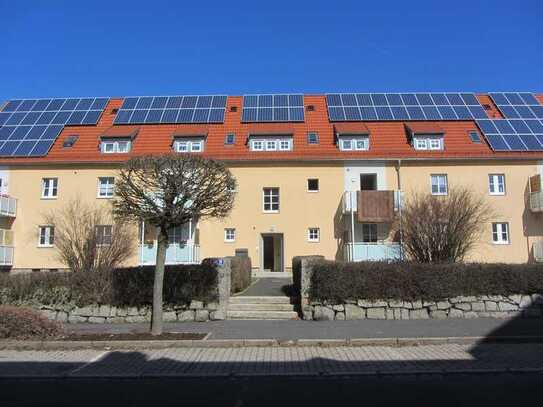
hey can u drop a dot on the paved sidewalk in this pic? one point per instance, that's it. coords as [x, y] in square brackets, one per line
[269, 361]
[293, 330]
[268, 286]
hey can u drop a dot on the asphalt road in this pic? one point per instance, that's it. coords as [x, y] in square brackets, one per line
[427, 390]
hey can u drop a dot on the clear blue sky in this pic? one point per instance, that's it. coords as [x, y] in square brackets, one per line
[156, 47]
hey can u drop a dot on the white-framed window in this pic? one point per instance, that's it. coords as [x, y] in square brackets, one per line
[106, 186]
[500, 233]
[49, 188]
[115, 145]
[313, 235]
[359, 143]
[369, 232]
[271, 199]
[103, 235]
[313, 185]
[229, 235]
[428, 142]
[187, 145]
[257, 145]
[271, 144]
[439, 185]
[496, 184]
[312, 138]
[46, 236]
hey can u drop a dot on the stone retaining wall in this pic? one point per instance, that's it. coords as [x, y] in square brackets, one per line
[493, 306]
[490, 306]
[195, 311]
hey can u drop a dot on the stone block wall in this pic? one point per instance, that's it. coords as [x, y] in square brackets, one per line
[489, 306]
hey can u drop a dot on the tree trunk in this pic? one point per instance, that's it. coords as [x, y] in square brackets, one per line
[158, 287]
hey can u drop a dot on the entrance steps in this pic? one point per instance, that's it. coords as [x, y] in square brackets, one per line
[274, 307]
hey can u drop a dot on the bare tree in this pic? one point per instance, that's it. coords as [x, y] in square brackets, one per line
[88, 238]
[440, 229]
[168, 191]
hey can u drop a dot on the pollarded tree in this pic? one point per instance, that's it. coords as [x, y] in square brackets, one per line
[168, 191]
[439, 229]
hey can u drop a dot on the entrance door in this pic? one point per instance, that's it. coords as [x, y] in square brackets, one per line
[272, 252]
[368, 182]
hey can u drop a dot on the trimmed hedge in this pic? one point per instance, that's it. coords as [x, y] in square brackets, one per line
[241, 273]
[129, 287]
[336, 282]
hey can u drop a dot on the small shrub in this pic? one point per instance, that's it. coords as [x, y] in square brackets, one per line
[24, 323]
[241, 273]
[336, 282]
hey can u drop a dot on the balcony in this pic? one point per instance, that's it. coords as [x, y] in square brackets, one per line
[8, 206]
[6, 247]
[350, 200]
[536, 201]
[176, 253]
[372, 252]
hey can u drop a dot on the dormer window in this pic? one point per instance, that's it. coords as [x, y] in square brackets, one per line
[115, 145]
[353, 142]
[188, 145]
[428, 142]
[270, 143]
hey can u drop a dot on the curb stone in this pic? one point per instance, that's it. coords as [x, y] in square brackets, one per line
[237, 343]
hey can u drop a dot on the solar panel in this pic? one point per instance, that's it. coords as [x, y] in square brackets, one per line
[172, 109]
[29, 127]
[403, 106]
[273, 108]
[513, 134]
[518, 105]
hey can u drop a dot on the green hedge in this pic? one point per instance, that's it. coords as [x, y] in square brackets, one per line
[121, 287]
[241, 273]
[336, 282]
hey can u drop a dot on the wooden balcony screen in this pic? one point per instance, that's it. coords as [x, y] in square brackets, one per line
[375, 206]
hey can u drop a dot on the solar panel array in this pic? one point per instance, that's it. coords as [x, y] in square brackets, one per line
[172, 109]
[513, 134]
[515, 105]
[273, 108]
[403, 106]
[29, 127]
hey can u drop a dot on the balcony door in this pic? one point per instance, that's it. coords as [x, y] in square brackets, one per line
[368, 182]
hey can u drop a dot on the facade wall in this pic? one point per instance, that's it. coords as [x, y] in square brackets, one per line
[299, 209]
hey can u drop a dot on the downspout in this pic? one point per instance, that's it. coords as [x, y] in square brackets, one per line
[400, 204]
[142, 241]
[352, 223]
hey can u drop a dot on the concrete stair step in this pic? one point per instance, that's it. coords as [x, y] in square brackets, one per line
[262, 315]
[260, 300]
[260, 307]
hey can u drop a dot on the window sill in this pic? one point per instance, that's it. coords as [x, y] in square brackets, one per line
[312, 192]
[270, 211]
[104, 197]
[496, 193]
[45, 246]
[229, 241]
[501, 243]
[48, 198]
[440, 194]
[313, 241]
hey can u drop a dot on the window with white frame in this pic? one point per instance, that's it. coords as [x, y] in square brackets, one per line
[189, 145]
[428, 142]
[46, 236]
[313, 235]
[271, 144]
[103, 235]
[229, 235]
[115, 145]
[271, 199]
[496, 184]
[358, 143]
[49, 188]
[369, 232]
[105, 187]
[439, 184]
[500, 233]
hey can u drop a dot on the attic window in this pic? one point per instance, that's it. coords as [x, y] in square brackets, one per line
[233, 108]
[230, 139]
[114, 111]
[474, 137]
[487, 107]
[69, 141]
[310, 108]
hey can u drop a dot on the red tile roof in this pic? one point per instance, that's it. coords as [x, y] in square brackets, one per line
[388, 140]
[424, 128]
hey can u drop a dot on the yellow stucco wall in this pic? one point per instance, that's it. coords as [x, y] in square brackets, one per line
[299, 209]
[524, 226]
